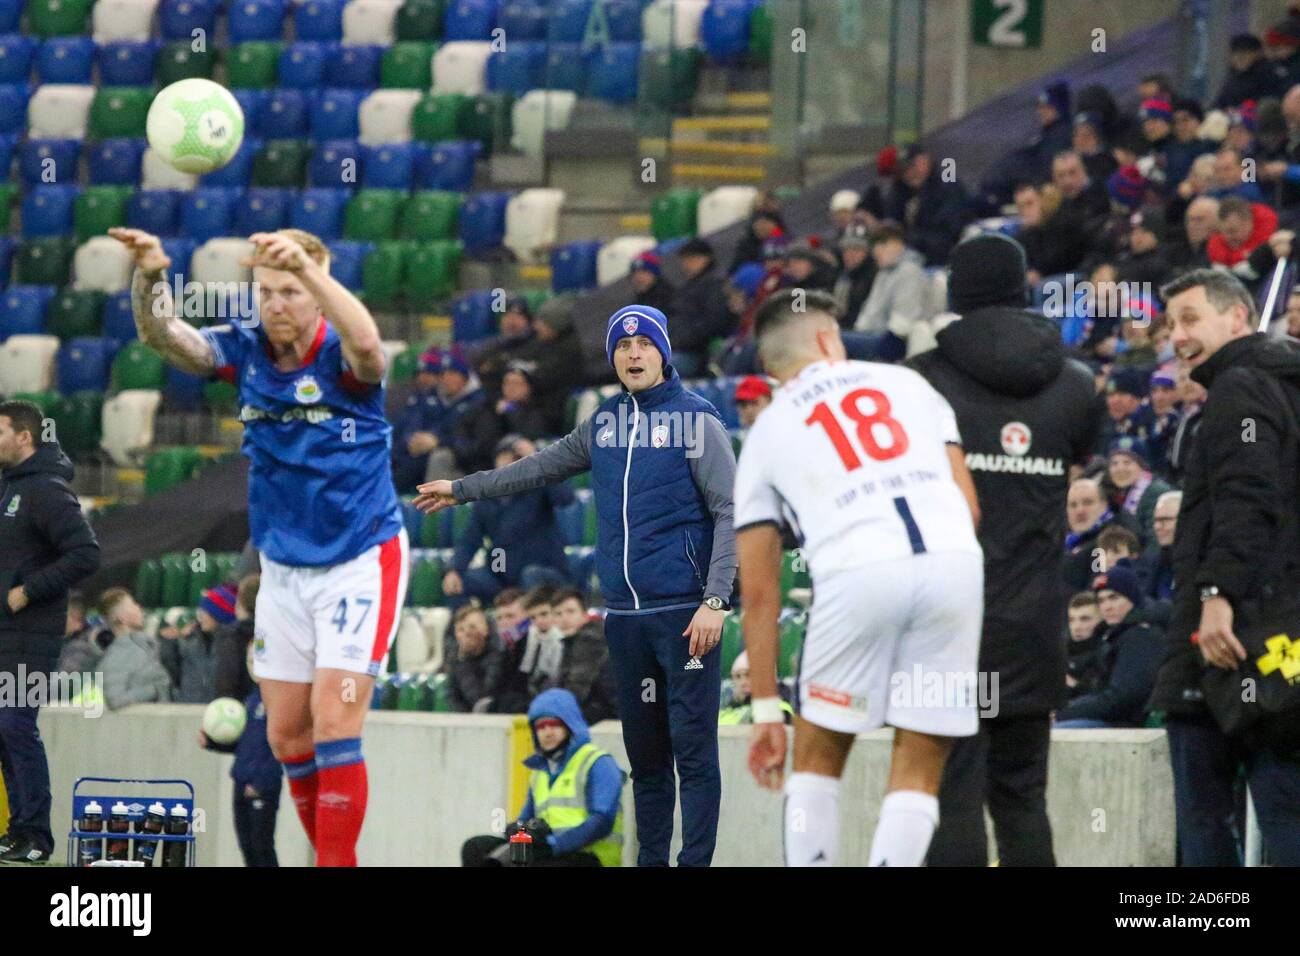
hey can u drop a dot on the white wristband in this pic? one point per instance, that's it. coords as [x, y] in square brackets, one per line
[767, 710]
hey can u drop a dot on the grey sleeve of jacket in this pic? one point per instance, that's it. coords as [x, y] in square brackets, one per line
[714, 471]
[569, 456]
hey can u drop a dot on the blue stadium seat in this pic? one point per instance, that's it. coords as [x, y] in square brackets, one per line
[346, 258]
[250, 102]
[255, 20]
[472, 318]
[624, 19]
[320, 212]
[319, 20]
[17, 56]
[568, 20]
[523, 20]
[182, 390]
[669, 246]
[448, 166]
[116, 162]
[83, 363]
[7, 246]
[11, 11]
[34, 156]
[180, 249]
[469, 20]
[47, 211]
[239, 170]
[127, 62]
[262, 210]
[178, 19]
[570, 519]
[119, 321]
[328, 164]
[66, 60]
[354, 67]
[565, 67]
[611, 72]
[389, 166]
[518, 68]
[724, 31]
[283, 115]
[483, 221]
[573, 266]
[8, 145]
[582, 564]
[22, 309]
[208, 212]
[13, 107]
[334, 114]
[302, 65]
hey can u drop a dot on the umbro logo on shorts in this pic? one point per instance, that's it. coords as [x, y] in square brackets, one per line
[693, 665]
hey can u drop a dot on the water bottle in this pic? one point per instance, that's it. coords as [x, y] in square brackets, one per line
[178, 824]
[152, 823]
[118, 822]
[89, 850]
[521, 847]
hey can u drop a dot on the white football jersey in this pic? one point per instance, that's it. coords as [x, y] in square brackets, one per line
[852, 454]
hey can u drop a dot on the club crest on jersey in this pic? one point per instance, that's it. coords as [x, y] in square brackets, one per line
[13, 506]
[630, 324]
[306, 391]
[659, 436]
[1016, 437]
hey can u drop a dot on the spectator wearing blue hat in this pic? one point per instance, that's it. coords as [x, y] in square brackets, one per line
[416, 426]
[649, 286]
[1129, 485]
[1127, 412]
[469, 429]
[1166, 416]
[189, 655]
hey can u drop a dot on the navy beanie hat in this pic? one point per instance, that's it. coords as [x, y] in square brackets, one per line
[1121, 579]
[638, 320]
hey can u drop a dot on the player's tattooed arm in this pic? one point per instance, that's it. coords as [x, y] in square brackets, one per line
[173, 338]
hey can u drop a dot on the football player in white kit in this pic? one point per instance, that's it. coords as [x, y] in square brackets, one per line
[864, 462]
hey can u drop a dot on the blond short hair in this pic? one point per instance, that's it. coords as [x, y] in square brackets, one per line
[313, 245]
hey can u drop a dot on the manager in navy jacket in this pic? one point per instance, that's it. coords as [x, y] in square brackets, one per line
[662, 471]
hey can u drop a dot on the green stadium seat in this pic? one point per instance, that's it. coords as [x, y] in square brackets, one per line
[203, 575]
[431, 272]
[138, 366]
[119, 111]
[429, 530]
[408, 65]
[43, 261]
[78, 423]
[253, 65]
[419, 20]
[98, 209]
[760, 36]
[582, 480]
[382, 271]
[733, 641]
[426, 583]
[148, 583]
[58, 18]
[535, 298]
[488, 120]
[441, 694]
[794, 573]
[439, 116]
[281, 163]
[72, 314]
[179, 61]
[405, 365]
[227, 565]
[9, 193]
[431, 215]
[590, 524]
[668, 78]
[791, 637]
[220, 395]
[391, 689]
[371, 215]
[175, 580]
[49, 402]
[169, 467]
[416, 694]
[672, 215]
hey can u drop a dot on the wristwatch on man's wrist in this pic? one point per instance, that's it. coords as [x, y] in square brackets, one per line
[716, 603]
[1211, 591]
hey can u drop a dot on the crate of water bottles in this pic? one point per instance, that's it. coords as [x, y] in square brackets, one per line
[139, 823]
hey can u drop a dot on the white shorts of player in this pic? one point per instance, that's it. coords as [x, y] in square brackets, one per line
[341, 616]
[896, 643]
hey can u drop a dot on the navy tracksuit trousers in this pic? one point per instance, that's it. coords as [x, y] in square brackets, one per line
[668, 704]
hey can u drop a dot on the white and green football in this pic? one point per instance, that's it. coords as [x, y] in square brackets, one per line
[195, 125]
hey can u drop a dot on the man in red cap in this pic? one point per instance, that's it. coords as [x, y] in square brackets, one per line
[753, 394]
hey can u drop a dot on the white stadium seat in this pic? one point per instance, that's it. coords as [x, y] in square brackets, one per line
[461, 67]
[615, 257]
[369, 22]
[127, 423]
[533, 223]
[436, 622]
[218, 260]
[392, 349]
[419, 639]
[385, 116]
[27, 363]
[673, 24]
[157, 174]
[536, 112]
[123, 20]
[723, 207]
[101, 263]
[59, 111]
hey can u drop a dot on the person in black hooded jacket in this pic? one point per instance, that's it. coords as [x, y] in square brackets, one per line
[46, 547]
[1027, 415]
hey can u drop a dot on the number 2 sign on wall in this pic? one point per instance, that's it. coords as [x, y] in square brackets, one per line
[1007, 23]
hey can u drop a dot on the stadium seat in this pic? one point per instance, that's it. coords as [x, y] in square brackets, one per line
[74, 314]
[382, 271]
[532, 223]
[448, 166]
[183, 390]
[122, 20]
[43, 261]
[119, 111]
[387, 167]
[623, 17]
[611, 72]
[488, 120]
[569, 521]
[18, 54]
[283, 114]
[102, 263]
[426, 582]
[302, 65]
[372, 214]
[723, 207]
[385, 116]
[253, 65]
[573, 266]
[672, 214]
[615, 257]
[220, 260]
[127, 63]
[334, 114]
[179, 61]
[461, 67]
[147, 588]
[469, 20]
[672, 24]
[7, 246]
[472, 320]
[50, 18]
[83, 363]
[438, 116]
[178, 19]
[335, 164]
[59, 111]
[430, 215]
[523, 20]
[667, 79]
[403, 369]
[117, 319]
[166, 468]
[482, 223]
[520, 67]
[319, 20]
[567, 20]
[262, 210]
[419, 20]
[47, 211]
[27, 363]
[431, 273]
[407, 66]
[180, 249]
[126, 428]
[535, 113]
[11, 12]
[60, 60]
[175, 584]
[116, 162]
[237, 173]
[346, 260]
[48, 161]
[281, 163]
[564, 69]
[724, 30]
[203, 575]
[320, 212]
[207, 212]
[155, 173]
[13, 108]
[370, 22]
[22, 310]
[98, 209]
[77, 423]
[255, 20]
[354, 67]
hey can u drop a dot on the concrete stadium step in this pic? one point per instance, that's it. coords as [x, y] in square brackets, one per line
[718, 174]
[739, 123]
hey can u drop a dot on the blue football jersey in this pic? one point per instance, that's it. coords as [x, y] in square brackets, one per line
[320, 486]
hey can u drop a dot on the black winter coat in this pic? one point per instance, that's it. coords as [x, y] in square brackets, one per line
[1130, 655]
[699, 312]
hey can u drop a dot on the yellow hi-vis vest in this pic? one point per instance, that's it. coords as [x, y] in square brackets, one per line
[563, 804]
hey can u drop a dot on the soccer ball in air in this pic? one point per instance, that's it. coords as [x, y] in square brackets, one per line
[195, 125]
[224, 720]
